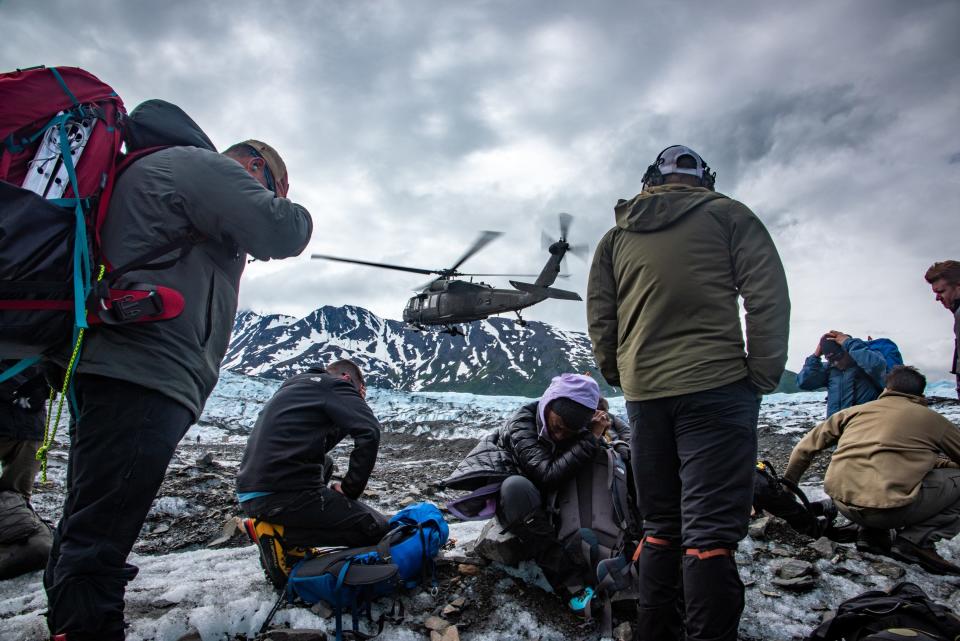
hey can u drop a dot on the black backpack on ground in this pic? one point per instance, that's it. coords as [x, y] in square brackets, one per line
[787, 501]
[904, 607]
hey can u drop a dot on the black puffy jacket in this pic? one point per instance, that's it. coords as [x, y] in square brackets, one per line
[518, 448]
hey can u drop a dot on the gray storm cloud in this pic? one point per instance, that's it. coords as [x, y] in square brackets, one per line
[408, 127]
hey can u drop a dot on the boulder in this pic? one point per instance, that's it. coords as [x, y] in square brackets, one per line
[497, 546]
[824, 547]
[436, 624]
[758, 529]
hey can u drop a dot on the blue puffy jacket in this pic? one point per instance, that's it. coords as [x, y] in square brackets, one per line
[859, 383]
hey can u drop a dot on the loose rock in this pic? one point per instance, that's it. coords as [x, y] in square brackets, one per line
[206, 461]
[758, 529]
[796, 584]
[232, 528]
[436, 623]
[623, 632]
[500, 547]
[824, 547]
[468, 570]
[794, 568]
[294, 635]
[891, 570]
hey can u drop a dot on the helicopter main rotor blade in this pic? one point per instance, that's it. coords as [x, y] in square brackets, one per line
[565, 220]
[401, 268]
[482, 241]
[521, 275]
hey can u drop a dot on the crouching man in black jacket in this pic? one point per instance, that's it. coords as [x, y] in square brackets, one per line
[284, 475]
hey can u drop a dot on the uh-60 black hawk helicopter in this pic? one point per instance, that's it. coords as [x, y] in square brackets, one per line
[447, 300]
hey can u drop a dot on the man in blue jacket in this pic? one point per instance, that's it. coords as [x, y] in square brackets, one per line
[853, 373]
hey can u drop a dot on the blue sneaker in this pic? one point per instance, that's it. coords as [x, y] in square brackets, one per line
[580, 602]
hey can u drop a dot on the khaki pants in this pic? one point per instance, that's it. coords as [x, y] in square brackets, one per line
[934, 515]
[19, 465]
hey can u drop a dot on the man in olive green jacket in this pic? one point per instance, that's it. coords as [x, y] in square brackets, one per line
[663, 315]
[895, 467]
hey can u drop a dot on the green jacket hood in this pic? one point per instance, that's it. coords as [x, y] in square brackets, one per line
[661, 206]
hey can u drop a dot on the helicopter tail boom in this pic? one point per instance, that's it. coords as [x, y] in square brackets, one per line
[545, 292]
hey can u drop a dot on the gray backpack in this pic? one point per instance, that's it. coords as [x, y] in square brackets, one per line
[598, 524]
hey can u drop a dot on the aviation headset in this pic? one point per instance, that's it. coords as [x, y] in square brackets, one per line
[653, 177]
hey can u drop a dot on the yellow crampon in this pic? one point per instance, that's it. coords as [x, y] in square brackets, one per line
[50, 434]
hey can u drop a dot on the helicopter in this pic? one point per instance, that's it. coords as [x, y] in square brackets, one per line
[448, 301]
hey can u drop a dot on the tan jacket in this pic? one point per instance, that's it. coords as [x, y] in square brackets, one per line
[662, 298]
[885, 449]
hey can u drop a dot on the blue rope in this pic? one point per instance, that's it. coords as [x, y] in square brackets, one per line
[19, 367]
[63, 85]
[81, 255]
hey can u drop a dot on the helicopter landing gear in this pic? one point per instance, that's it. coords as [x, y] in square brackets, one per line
[453, 330]
[520, 321]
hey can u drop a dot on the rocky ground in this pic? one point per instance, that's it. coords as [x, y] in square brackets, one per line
[791, 580]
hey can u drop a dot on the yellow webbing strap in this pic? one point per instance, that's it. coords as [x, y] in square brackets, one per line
[50, 431]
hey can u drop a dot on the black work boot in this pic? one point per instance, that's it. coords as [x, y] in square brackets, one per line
[658, 597]
[713, 593]
[926, 557]
[873, 540]
[539, 537]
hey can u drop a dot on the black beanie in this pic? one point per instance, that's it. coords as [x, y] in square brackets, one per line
[575, 416]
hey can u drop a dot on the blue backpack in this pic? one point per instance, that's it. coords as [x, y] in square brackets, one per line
[889, 350]
[352, 578]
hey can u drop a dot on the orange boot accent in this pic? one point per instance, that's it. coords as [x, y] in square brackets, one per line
[709, 554]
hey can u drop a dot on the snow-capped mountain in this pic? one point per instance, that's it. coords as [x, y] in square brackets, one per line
[497, 356]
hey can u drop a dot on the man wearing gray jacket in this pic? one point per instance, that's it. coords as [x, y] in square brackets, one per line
[139, 386]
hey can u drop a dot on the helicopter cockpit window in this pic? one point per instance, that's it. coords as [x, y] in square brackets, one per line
[435, 301]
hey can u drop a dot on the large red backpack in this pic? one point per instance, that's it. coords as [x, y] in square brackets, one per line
[61, 131]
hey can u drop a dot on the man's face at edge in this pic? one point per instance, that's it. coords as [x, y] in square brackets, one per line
[947, 294]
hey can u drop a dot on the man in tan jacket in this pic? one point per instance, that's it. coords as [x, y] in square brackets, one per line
[662, 309]
[895, 467]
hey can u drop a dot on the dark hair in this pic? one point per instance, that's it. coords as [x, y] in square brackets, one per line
[948, 270]
[686, 161]
[348, 367]
[574, 415]
[906, 380]
[603, 404]
[831, 348]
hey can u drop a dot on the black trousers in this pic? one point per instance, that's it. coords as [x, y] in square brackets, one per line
[319, 517]
[121, 440]
[693, 459]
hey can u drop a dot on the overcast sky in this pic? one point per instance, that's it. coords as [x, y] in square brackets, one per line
[408, 127]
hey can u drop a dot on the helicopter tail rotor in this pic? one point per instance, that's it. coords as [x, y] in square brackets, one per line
[565, 220]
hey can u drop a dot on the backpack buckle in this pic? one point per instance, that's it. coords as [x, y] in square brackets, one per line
[127, 308]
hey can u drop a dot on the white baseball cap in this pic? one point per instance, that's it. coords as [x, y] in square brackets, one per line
[666, 162]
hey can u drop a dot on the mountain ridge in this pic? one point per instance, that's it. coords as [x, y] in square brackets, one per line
[496, 356]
